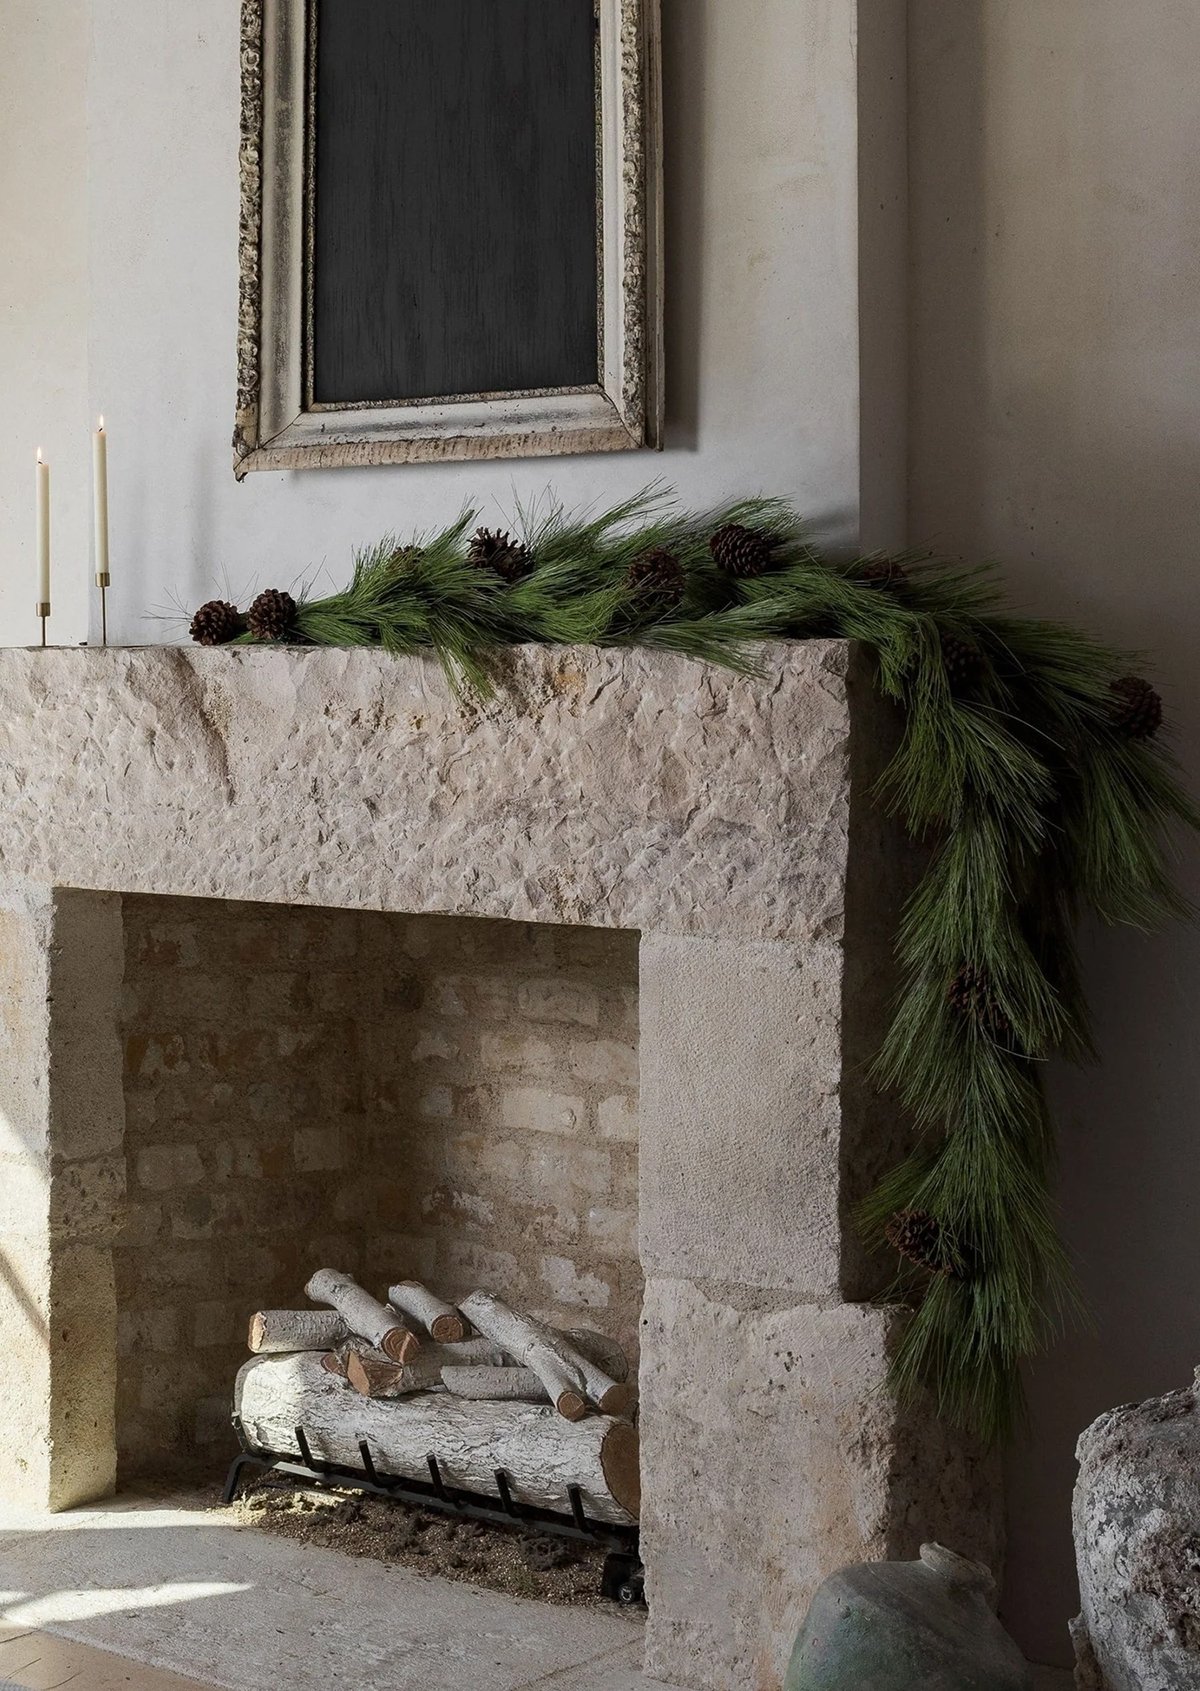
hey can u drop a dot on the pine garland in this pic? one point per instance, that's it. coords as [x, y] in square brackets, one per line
[1028, 761]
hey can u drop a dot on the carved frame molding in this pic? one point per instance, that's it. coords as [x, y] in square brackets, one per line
[275, 430]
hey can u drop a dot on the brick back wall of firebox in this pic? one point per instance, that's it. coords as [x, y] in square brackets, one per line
[444, 1098]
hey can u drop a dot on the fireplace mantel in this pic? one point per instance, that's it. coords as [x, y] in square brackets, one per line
[609, 788]
[728, 821]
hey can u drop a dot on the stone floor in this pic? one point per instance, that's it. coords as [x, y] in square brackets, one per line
[240, 1610]
[146, 1594]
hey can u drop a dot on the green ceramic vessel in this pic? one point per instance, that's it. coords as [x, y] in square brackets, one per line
[907, 1626]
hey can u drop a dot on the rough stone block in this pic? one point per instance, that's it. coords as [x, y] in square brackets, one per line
[319, 1149]
[26, 928]
[153, 1328]
[612, 1231]
[608, 1062]
[87, 1101]
[217, 1323]
[780, 1459]
[531, 1108]
[569, 1285]
[519, 1052]
[24, 1198]
[87, 1198]
[83, 1374]
[739, 1116]
[164, 1168]
[618, 1118]
[556, 1000]
[25, 1445]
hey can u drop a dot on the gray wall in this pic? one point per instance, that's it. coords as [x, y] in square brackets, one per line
[1055, 424]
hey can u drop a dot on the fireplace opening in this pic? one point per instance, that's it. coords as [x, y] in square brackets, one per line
[450, 1100]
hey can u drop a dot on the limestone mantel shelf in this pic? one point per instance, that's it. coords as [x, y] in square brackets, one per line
[607, 788]
[728, 820]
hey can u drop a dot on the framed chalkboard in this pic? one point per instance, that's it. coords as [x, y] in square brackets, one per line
[450, 230]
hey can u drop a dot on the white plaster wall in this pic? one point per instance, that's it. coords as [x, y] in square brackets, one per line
[1056, 427]
[43, 308]
[762, 318]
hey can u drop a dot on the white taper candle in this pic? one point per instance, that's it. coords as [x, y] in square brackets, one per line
[100, 501]
[43, 533]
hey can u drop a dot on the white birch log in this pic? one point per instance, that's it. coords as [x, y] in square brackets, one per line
[372, 1374]
[440, 1319]
[540, 1454]
[482, 1384]
[276, 1330]
[606, 1353]
[363, 1315]
[569, 1378]
[602, 1363]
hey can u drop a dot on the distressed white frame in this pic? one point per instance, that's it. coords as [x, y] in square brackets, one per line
[622, 412]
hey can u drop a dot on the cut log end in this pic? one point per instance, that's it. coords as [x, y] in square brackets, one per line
[258, 1330]
[571, 1406]
[371, 1377]
[400, 1344]
[622, 1471]
[332, 1363]
[448, 1329]
[619, 1400]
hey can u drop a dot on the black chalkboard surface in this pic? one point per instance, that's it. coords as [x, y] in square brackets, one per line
[453, 204]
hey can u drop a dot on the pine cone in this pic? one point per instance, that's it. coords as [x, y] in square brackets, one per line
[920, 1238]
[271, 615]
[741, 551]
[971, 996]
[657, 578]
[1136, 708]
[216, 623]
[963, 661]
[405, 557]
[883, 572]
[492, 550]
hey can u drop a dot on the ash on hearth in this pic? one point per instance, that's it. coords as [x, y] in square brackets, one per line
[551, 1570]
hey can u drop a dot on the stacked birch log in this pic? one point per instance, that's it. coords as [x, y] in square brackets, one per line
[479, 1386]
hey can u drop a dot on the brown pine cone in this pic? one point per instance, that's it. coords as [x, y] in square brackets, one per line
[741, 551]
[492, 550]
[271, 615]
[216, 623]
[963, 662]
[920, 1238]
[971, 996]
[883, 572]
[657, 578]
[1137, 709]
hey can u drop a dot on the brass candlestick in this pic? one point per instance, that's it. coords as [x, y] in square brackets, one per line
[43, 612]
[103, 581]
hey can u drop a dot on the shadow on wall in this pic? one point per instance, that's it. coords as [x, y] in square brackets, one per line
[1055, 424]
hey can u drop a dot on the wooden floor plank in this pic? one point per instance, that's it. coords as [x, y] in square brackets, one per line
[37, 1661]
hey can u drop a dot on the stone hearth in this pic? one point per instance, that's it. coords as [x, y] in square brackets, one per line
[722, 826]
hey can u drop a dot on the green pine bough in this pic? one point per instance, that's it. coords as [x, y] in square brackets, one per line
[1028, 762]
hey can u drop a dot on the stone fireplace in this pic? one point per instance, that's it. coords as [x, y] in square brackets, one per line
[574, 993]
